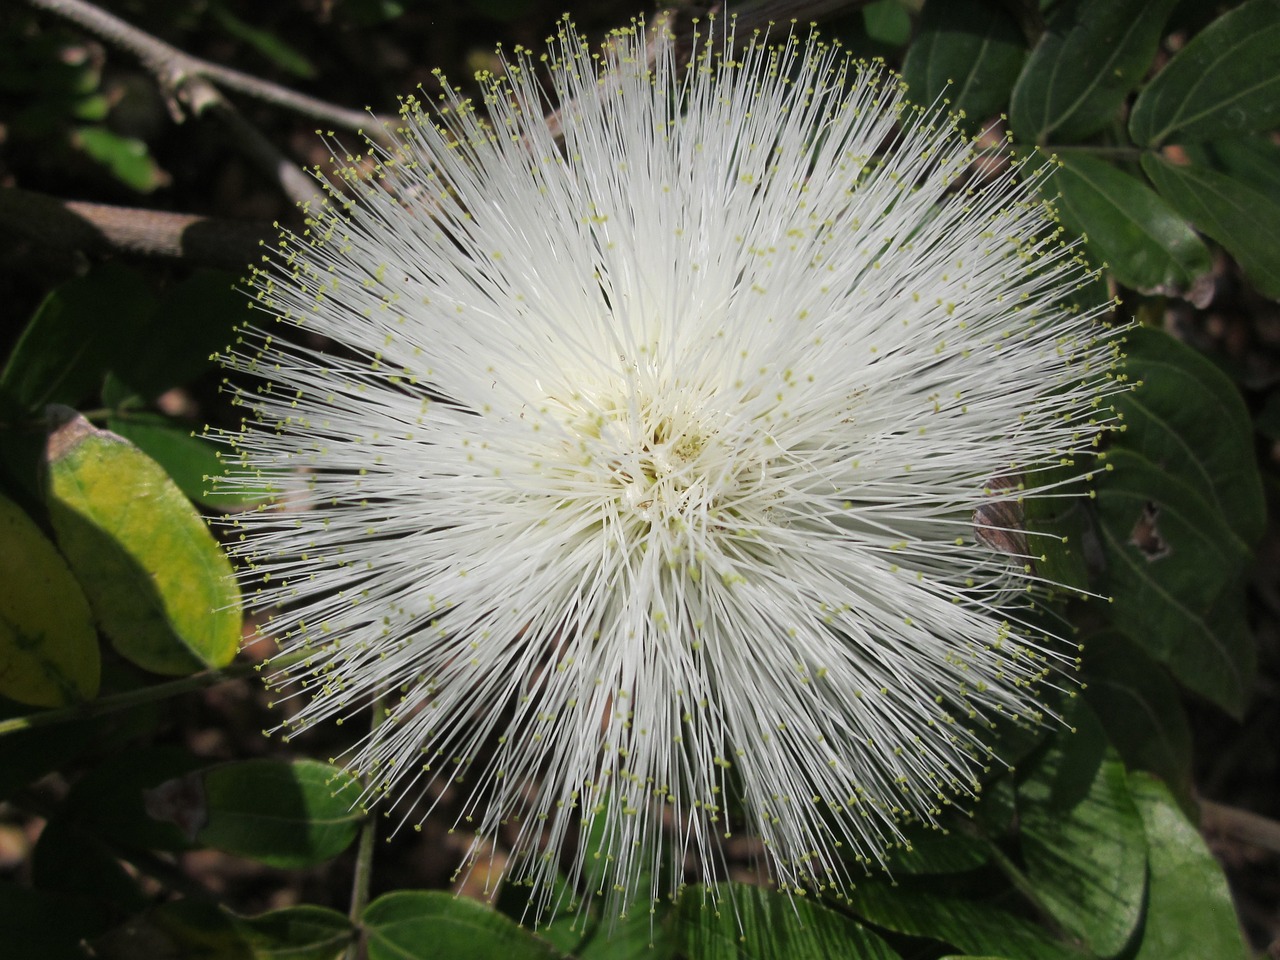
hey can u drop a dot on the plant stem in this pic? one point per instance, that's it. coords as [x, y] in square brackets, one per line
[363, 872]
[135, 698]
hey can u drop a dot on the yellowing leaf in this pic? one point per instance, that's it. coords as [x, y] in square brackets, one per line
[48, 647]
[158, 582]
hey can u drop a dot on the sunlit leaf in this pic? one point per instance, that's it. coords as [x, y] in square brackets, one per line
[1224, 82]
[1086, 857]
[1092, 54]
[1189, 911]
[126, 157]
[190, 460]
[160, 586]
[48, 646]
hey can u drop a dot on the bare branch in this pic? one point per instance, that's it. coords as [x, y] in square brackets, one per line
[98, 230]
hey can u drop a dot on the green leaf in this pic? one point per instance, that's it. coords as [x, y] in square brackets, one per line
[1086, 861]
[1224, 82]
[71, 858]
[1244, 220]
[193, 928]
[71, 341]
[39, 925]
[1092, 54]
[1140, 708]
[190, 461]
[887, 22]
[1189, 910]
[1190, 420]
[159, 584]
[192, 320]
[969, 51]
[740, 922]
[977, 928]
[1169, 557]
[48, 646]
[1127, 226]
[938, 851]
[26, 755]
[296, 933]
[278, 51]
[112, 798]
[1253, 161]
[286, 815]
[126, 157]
[425, 925]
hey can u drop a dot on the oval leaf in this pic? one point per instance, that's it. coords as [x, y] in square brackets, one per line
[72, 339]
[1127, 226]
[48, 647]
[285, 815]
[1224, 82]
[1170, 558]
[968, 51]
[1244, 220]
[743, 921]
[158, 582]
[1086, 862]
[424, 925]
[1092, 54]
[1140, 707]
[190, 460]
[1189, 910]
[975, 927]
[1190, 419]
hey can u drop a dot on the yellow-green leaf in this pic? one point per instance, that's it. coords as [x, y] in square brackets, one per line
[158, 582]
[48, 647]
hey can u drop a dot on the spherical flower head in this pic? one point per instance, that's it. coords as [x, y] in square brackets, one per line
[664, 463]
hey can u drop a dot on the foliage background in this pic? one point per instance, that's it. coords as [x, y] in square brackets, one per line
[248, 849]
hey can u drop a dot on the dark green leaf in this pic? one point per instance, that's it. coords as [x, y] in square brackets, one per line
[1224, 82]
[39, 925]
[1253, 161]
[48, 646]
[186, 929]
[192, 320]
[1086, 861]
[1189, 910]
[111, 798]
[1244, 220]
[426, 925]
[71, 858]
[739, 922]
[26, 755]
[1127, 226]
[887, 22]
[969, 51]
[1170, 556]
[1190, 420]
[70, 343]
[286, 815]
[936, 851]
[1140, 708]
[974, 927]
[159, 584]
[295, 933]
[1092, 54]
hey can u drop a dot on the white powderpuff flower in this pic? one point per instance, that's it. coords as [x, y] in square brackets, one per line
[666, 462]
